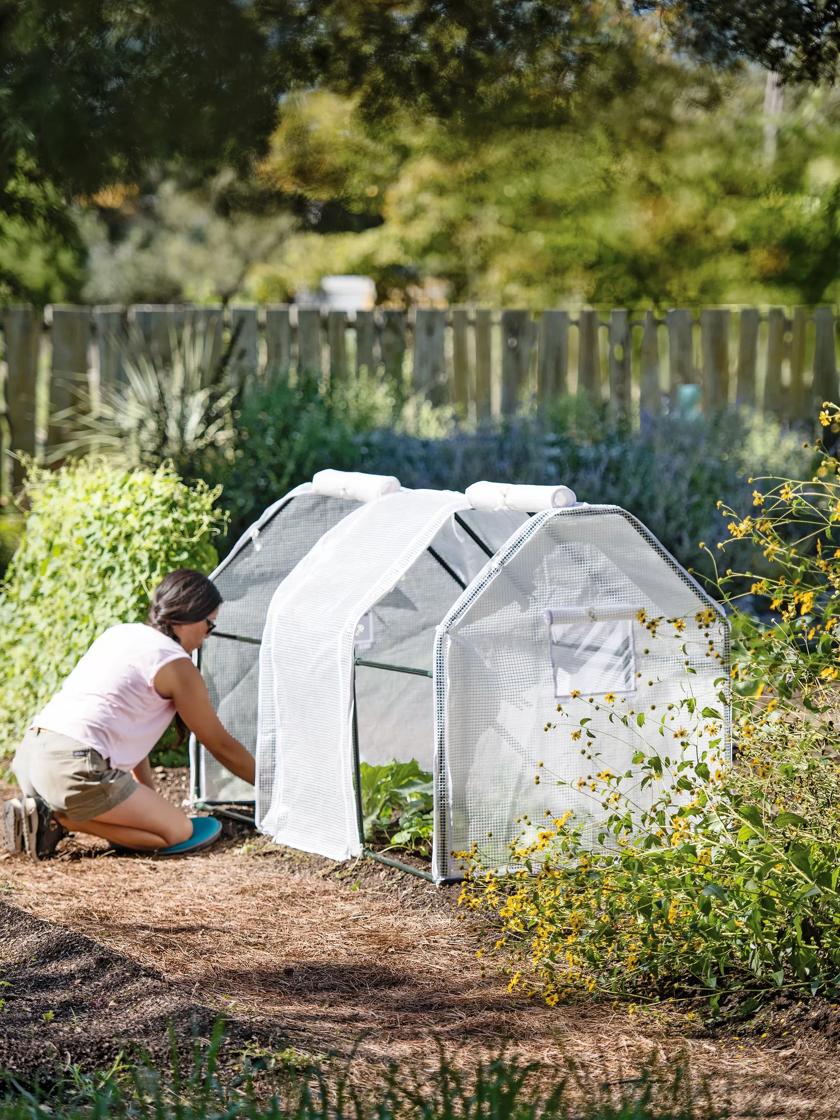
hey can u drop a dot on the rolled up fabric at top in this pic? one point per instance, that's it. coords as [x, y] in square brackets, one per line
[354, 485]
[525, 499]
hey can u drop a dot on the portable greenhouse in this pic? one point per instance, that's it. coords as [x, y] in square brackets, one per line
[448, 628]
[247, 578]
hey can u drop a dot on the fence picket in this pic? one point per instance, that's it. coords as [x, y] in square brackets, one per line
[157, 324]
[429, 368]
[278, 342]
[589, 356]
[392, 345]
[517, 342]
[244, 356]
[461, 369]
[109, 332]
[310, 356]
[825, 360]
[799, 409]
[483, 364]
[772, 398]
[619, 363]
[337, 341]
[680, 349]
[745, 391]
[365, 338]
[206, 326]
[69, 369]
[553, 360]
[22, 337]
[650, 388]
[714, 345]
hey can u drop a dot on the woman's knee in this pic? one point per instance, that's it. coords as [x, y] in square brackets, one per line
[177, 831]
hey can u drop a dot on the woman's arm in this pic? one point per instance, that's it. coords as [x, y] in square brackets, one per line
[182, 683]
[143, 773]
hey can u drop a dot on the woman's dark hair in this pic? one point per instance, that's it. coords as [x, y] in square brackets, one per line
[182, 596]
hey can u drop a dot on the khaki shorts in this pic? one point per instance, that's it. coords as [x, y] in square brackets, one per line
[73, 779]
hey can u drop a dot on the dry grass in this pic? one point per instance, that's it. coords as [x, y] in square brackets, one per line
[355, 957]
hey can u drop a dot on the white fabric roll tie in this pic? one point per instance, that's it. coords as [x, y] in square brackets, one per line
[354, 485]
[525, 499]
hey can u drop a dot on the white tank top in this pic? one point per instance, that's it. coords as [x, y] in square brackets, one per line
[109, 701]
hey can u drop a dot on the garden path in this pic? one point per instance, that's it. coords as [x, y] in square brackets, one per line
[356, 958]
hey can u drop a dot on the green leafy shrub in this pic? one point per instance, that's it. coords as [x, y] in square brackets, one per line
[670, 474]
[97, 540]
[794, 526]
[11, 528]
[728, 885]
[285, 433]
[726, 882]
[397, 805]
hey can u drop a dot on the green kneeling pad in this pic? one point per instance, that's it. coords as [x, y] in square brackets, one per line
[206, 831]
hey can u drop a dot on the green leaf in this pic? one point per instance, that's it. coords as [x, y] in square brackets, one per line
[788, 820]
[801, 859]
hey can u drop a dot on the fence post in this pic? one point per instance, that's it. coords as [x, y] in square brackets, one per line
[619, 363]
[553, 360]
[365, 335]
[429, 367]
[589, 357]
[650, 389]
[483, 364]
[22, 335]
[825, 359]
[745, 392]
[772, 397]
[461, 370]
[714, 346]
[278, 342]
[69, 376]
[310, 357]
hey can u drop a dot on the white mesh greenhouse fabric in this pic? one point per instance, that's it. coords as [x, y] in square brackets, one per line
[556, 612]
[502, 625]
[247, 578]
[377, 557]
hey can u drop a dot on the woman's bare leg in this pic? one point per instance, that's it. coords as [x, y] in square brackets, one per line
[144, 820]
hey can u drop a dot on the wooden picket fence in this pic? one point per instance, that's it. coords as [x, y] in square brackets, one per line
[482, 363]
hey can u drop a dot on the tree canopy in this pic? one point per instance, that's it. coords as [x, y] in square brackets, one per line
[615, 144]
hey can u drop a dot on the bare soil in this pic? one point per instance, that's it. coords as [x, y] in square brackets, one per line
[100, 951]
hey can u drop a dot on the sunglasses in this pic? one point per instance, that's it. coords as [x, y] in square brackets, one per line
[210, 624]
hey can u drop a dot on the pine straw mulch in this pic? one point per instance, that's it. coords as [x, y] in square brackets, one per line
[351, 959]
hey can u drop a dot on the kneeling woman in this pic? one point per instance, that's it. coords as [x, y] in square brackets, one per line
[84, 766]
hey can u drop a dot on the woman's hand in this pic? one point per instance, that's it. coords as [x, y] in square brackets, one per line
[181, 682]
[143, 773]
